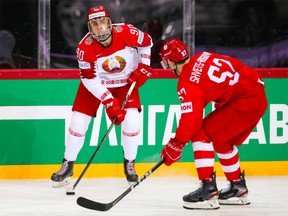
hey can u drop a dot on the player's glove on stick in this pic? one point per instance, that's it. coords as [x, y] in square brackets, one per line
[114, 110]
[172, 152]
[140, 75]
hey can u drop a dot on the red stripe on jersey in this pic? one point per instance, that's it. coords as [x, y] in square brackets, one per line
[233, 175]
[130, 134]
[75, 133]
[203, 154]
[230, 161]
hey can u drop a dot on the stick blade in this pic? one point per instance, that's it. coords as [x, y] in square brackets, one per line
[90, 204]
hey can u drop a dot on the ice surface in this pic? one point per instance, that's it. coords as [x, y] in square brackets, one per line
[154, 196]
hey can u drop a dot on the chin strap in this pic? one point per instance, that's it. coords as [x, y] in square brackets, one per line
[175, 70]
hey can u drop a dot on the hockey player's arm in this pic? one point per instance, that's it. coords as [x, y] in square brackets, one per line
[142, 41]
[172, 152]
[192, 107]
[143, 71]
[145, 54]
[192, 101]
[96, 88]
[89, 75]
[114, 110]
[137, 38]
[140, 75]
[110, 103]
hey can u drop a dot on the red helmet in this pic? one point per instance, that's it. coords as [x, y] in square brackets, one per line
[95, 12]
[174, 50]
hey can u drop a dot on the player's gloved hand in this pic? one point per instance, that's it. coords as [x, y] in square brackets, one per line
[140, 75]
[172, 152]
[113, 110]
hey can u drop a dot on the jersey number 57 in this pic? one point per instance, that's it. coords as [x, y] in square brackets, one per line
[217, 75]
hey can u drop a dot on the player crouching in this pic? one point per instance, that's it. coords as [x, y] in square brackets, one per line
[240, 102]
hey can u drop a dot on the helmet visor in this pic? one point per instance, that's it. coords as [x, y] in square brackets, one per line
[164, 64]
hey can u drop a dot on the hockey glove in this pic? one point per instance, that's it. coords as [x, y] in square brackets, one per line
[172, 152]
[113, 110]
[140, 75]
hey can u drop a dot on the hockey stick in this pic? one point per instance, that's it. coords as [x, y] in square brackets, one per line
[93, 205]
[102, 141]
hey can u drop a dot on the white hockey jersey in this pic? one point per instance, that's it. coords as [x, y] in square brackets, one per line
[109, 67]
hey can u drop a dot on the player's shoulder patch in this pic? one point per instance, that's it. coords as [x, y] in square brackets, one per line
[186, 107]
[84, 65]
[89, 40]
[118, 27]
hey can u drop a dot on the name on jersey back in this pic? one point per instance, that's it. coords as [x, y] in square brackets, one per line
[198, 67]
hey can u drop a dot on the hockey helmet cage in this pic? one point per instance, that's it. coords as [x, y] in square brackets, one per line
[174, 50]
[102, 13]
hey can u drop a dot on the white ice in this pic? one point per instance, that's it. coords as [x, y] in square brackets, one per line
[153, 196]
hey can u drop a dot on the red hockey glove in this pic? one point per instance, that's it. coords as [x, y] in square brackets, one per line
[113, 110]
[172, 152]
[140, 75]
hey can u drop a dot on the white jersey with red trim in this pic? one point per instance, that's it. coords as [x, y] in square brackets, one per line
[109, 67]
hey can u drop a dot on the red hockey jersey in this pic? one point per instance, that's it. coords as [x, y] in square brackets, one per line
[210, 77]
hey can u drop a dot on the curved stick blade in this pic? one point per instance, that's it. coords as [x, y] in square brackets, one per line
[90, 204]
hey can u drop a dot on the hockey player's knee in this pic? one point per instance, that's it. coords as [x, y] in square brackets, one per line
[132, 121]
[225, 149]
[79, 124]
[201, 136]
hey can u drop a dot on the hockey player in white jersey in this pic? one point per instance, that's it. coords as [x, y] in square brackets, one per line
[111, 57]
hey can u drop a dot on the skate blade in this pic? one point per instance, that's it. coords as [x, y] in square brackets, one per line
[235, 201]
[205, 205]
[66, 181]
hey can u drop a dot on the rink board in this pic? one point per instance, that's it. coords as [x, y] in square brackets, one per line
[35, 114]
[183, 169]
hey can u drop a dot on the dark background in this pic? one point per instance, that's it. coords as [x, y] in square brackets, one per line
[255, 31]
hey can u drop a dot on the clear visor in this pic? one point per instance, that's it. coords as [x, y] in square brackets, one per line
[164, 64]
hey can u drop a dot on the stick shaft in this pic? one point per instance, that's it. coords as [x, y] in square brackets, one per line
[94, 205]
[105, 137]
[146, 175]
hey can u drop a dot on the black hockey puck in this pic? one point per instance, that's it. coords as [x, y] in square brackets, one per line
[70, 193]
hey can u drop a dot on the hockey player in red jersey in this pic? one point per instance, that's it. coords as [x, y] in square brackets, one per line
[240, 102]
[111, 57]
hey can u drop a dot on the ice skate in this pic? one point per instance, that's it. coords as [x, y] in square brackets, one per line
[205, 197]
[129, 170]
[236, 193]
[62, 176]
